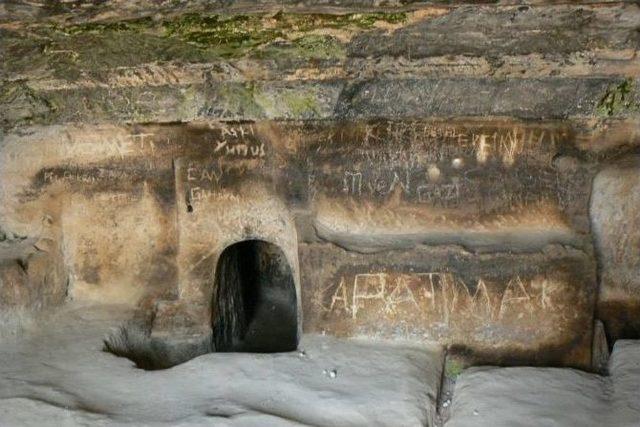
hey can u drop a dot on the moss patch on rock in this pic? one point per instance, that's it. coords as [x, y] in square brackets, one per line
[234, 35]
[453, 367]
[239, 35]
[90, 50]
[618, 99]
[289, 102]
[221, 29]
[312, 46]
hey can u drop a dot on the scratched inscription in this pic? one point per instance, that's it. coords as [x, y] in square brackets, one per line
[438, 165]
[236, 141]
[212, 180]
[437, 295]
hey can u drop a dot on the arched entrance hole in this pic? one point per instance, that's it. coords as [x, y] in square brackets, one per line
[254, 300]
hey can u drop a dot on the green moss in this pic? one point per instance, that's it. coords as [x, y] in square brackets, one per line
[309, 22]
[192, 99]
[618, 99]
[288, 102]
[92, 50]
[135, 25]
[233, 33]
[453, 368]
[310, 46]
[318, 46]
[237, 99]
[301, 104]
[55, 7]
[238, 33]
[22, 52]
[368, 20]
[266, 102]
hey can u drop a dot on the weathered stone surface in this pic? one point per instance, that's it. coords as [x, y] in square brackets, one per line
[421, 153]
[18, 104]
[548, 98]
[525, 99]
[559, 61]
[32, 276]
[215, 389]
[475, 185]
[537, 307]
[490, 396]
[89, 10]
[495, 32]
[133, 250]
[615, 216]
[147, 210]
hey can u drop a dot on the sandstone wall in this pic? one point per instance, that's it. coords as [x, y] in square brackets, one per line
[615, 213]
[427, 171]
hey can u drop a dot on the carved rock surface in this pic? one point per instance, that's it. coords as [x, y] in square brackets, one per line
[31, 278]
[615, 215]
[426, 170]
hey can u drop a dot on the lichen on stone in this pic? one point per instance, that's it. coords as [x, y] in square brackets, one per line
[234, 100]
[20, 104]
[241, 34]
[236, 35]
[89, 51]
[301, 104]
[232, 32]
[312, 46]
[618, 99]
[138, 25]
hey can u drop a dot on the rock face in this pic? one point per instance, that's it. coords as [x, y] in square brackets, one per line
[32, 278]
[425, 171]
[615, 212]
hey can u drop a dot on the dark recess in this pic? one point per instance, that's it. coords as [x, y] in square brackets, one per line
[254, 300]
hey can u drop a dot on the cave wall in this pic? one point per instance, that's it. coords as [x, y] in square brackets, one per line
[424, 182]
[615, 214]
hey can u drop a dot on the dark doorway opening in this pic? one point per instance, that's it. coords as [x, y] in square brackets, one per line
[254, 300]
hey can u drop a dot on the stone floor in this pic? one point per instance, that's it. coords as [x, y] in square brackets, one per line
[518, 397]
[59, 374]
